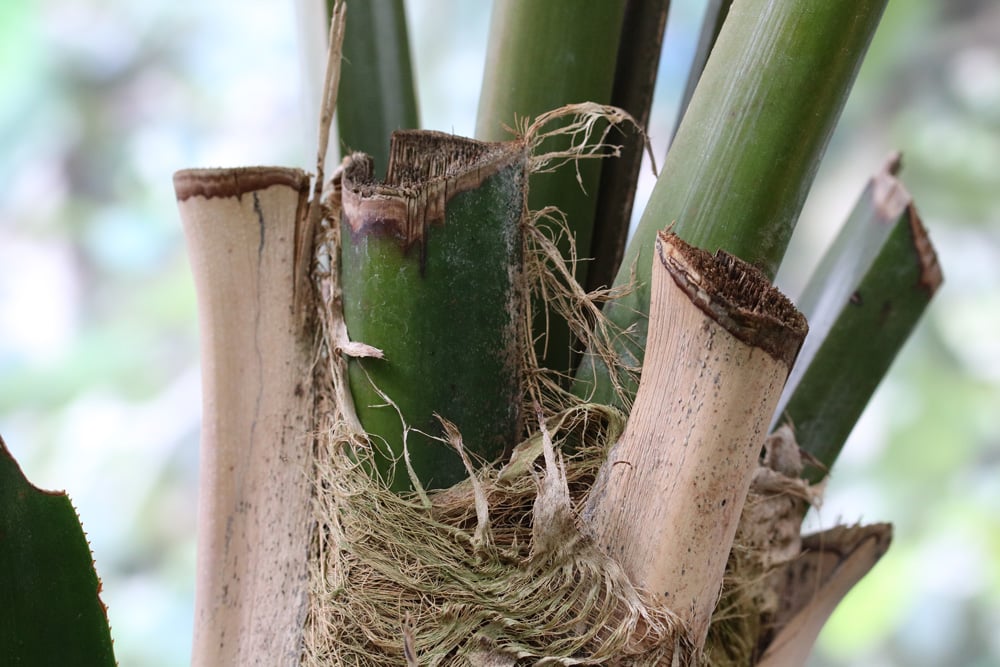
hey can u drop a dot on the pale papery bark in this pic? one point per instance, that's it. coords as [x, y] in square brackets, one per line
[668, 500]
[242, 227]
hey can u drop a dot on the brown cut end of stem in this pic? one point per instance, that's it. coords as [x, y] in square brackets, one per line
[931, 276]
[889, 194]
[426, 169]
[212, 183]
[736, 295]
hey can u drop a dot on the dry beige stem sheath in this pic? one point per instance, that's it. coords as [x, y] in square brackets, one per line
[245, 231]
[830, 565]
[667, 501]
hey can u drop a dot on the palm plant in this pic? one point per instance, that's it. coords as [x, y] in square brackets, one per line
[413, 352]
[456, 323]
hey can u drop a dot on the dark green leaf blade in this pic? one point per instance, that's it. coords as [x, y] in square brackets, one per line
[50, 609]
[635, 79]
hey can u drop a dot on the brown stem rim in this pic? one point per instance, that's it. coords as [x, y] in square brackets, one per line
[426, 169]
[210, 183]
[736, 295]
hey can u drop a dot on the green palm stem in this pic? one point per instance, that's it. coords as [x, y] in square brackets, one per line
[429, 271]
[376, 94]
[715, 15]
[635, 78]
[863, 301]
[745, 154]
[540, 56]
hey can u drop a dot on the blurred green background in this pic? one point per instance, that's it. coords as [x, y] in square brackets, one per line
[99, 390]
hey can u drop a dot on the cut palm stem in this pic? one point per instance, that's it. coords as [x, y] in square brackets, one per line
[831, 564]
[668, 499]
[863, 301]
[430, 271]
[243, 229]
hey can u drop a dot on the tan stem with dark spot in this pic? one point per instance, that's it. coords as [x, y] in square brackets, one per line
[244, 230]
[667, 501]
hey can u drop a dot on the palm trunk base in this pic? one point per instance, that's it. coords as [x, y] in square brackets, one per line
[496, 570]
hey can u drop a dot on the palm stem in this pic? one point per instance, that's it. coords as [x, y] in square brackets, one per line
[429, 270]
[711, 26]
[377, 93]
[863, 301]
[635, 78]
[541, 56]
[745, 154]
